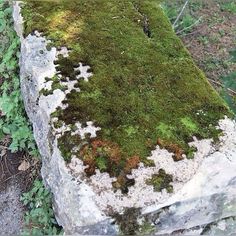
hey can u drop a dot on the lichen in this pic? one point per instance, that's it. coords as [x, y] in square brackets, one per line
[145, 89]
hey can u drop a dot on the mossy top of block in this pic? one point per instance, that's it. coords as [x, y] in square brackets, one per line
[145, 89]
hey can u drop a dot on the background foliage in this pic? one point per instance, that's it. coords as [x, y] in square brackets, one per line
[40, 219]
[229, 89]
[13, 118]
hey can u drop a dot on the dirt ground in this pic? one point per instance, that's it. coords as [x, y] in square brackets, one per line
[16, 176]
[211, 41]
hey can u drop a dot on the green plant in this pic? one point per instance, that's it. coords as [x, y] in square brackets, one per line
[229, 6]
[187, 21]
[39, 219]
[189, 124]
[229, 89]
[13, 117]
[181, 14]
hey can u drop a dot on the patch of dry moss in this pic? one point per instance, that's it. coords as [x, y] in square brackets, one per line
[145, 86]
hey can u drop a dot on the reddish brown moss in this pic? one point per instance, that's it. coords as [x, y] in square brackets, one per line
[172, 147]
[107, 157]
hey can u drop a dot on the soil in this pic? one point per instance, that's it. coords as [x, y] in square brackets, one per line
[12, 184]
[211, 41]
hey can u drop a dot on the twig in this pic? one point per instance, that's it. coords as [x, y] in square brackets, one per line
[180, 14]
[220, 84]
[191, 33]
[189, 27]
[5, 180]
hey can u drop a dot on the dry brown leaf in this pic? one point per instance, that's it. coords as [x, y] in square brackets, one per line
[24, 166]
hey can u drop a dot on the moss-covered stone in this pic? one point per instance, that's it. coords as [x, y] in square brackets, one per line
[145, 86]
[127, 222]
[161, 181]
[56, 84]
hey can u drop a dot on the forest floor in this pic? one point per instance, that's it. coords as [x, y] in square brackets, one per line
[17, 172]
[209, 42]
[212, 40]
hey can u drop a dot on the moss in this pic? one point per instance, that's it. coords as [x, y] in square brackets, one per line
[191, 151]
[144, 87]
[161, 181]
[127, 221]
[146, 228]
[132, 222]
[189, 125]
[107, 157]
[66, 144]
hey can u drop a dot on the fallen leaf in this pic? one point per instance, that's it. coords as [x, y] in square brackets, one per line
[24, 166]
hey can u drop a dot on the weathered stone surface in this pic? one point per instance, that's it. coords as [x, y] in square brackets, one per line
[89, 205]
[210, 195]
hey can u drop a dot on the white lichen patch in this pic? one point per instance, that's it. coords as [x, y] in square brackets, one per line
[40, 63]
[48, 85]
[215, 173]
[89, 129]
[59, 131]
[70, 84]
[143, 195]
[80, 131]
[63, 51]
[84, 72]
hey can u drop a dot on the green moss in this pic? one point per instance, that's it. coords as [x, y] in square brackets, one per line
[144, 86]
[127, 221]
[165, 131]
[146, 228]
[161, 181]
[101, 163]
[66, 144]
[132, 222]
[189, 124]
[190, 152]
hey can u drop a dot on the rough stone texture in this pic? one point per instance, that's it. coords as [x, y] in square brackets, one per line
[79, 207]
[210, 195]
[11, 209]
